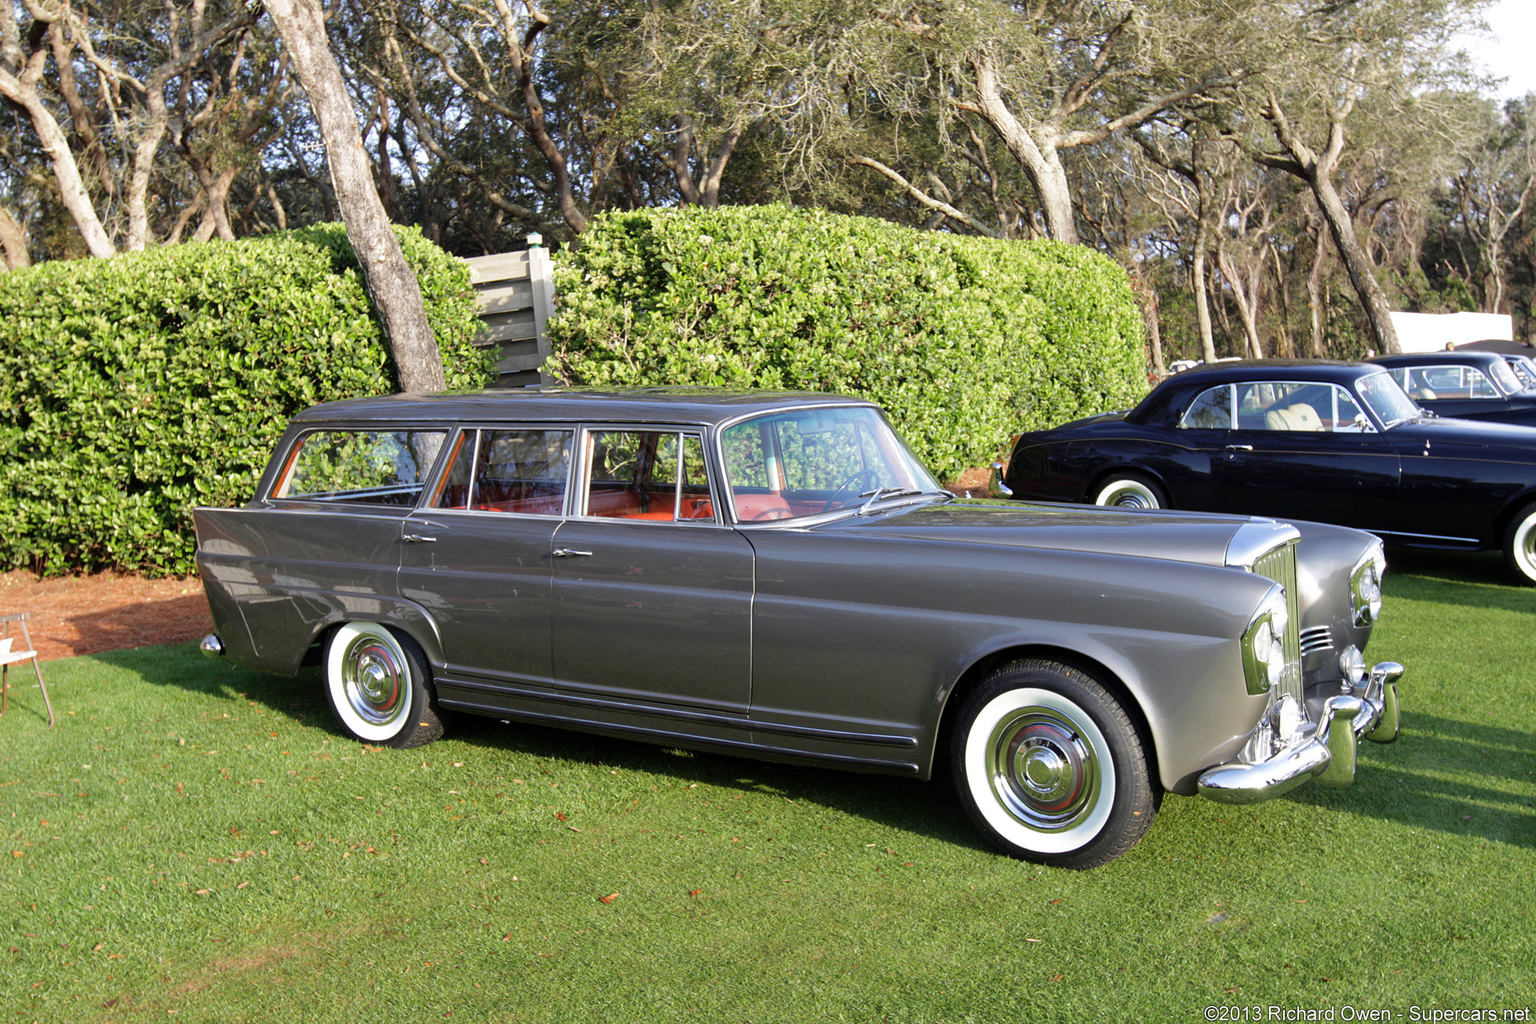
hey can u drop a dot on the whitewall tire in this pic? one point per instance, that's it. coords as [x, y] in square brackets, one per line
[1130, 492]
[379, 686]
[1520, 545]
[1050, 767]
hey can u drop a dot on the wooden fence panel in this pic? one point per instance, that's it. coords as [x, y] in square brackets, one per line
[516, 291]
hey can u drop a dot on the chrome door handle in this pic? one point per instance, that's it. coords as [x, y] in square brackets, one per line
[571, 553]
[1239, 447]
[417, 538]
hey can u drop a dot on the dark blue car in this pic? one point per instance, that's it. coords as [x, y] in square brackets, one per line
[1467, 385]
[1330, 442]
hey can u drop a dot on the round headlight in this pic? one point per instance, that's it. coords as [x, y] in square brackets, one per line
[1365, 587]
[1264, 643]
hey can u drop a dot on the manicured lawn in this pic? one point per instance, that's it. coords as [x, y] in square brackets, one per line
[195, 841]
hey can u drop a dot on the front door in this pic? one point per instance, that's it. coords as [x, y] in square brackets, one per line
[652, 592]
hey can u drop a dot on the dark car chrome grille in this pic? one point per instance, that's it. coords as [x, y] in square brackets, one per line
[1279, 564]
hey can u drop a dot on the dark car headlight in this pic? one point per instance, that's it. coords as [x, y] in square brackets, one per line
[1264, 643]
[1365, 586]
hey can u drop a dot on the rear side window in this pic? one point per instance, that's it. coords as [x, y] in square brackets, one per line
[524, 471]
[364, 467]
[1212, 410]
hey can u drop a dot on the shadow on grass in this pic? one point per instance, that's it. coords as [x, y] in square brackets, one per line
[923, 808]
[1476, 579]
[1447, 775]
[1451, 776]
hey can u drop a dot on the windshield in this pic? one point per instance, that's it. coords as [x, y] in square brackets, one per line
[1385, 397]
[809, 461]
[1505, 377]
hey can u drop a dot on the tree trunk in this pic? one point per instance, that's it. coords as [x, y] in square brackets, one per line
[1146, 301]
[1356, 264]
[22, 91]
[1038, 158]
[1197, 281]
[393, 286]
[13, 240]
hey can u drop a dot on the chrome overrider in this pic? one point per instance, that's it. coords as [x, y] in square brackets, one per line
[211, 646]
[1293, 743]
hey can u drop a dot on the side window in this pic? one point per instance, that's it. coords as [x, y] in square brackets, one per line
[1479, 385]
[647, 475]
[367, 467]
[1284, 405]
[1348, 418]
[522, 471]
[1211, 410]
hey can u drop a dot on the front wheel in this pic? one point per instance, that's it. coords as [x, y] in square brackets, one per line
[380, 686]
[1130, 491]
[1050, 767]
[1520, 545]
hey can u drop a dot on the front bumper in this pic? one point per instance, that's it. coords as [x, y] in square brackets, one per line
[1293, 744]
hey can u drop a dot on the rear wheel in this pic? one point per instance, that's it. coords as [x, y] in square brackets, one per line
[1520, 544]
[1050, 768]
[1127, 490]
[380, 686]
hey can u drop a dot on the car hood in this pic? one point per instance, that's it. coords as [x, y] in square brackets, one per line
[1179, 536]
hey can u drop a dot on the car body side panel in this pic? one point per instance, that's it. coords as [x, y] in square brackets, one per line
[269, 608]
[654, 611]
[846, 632]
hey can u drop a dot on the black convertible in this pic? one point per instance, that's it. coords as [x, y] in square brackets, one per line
[1297, 439]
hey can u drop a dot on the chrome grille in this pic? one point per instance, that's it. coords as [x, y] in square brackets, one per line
[1279, 564]
[1316, 639]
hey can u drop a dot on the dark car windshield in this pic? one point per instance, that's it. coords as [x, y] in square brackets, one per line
[809, 461]
[1385, 397]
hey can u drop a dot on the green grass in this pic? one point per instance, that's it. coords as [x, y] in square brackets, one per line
[196, 842]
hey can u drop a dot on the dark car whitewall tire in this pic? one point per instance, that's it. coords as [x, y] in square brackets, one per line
[379, 686]
[1520, 544]
[1050, 767]
[1127, 490]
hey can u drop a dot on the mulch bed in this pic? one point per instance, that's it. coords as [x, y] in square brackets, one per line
[107, 611]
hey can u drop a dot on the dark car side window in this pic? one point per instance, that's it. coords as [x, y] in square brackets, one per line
[1211, 410]
[522, 471]
[366, 467]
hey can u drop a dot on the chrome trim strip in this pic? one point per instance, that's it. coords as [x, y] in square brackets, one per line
[660, 711]
[691, 741]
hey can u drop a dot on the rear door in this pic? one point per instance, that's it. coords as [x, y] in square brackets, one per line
[477, 556]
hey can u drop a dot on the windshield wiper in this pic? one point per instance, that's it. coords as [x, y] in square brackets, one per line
[881, 493]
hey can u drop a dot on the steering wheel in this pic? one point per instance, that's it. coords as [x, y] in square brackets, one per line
[850, 484]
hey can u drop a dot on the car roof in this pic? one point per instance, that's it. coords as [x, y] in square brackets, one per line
[1442, 358]
[1273, 369]
[670, 404]
[1166, 402]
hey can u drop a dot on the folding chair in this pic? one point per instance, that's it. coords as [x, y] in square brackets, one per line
[9, 657]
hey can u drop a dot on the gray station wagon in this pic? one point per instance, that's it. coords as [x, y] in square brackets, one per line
[776, 575]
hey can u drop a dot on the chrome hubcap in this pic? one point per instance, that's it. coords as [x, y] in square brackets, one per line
[374, 677]
[1130, 496]
[1042, 769]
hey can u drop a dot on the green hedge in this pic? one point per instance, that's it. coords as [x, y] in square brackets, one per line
[964, 340]
[136, 387]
